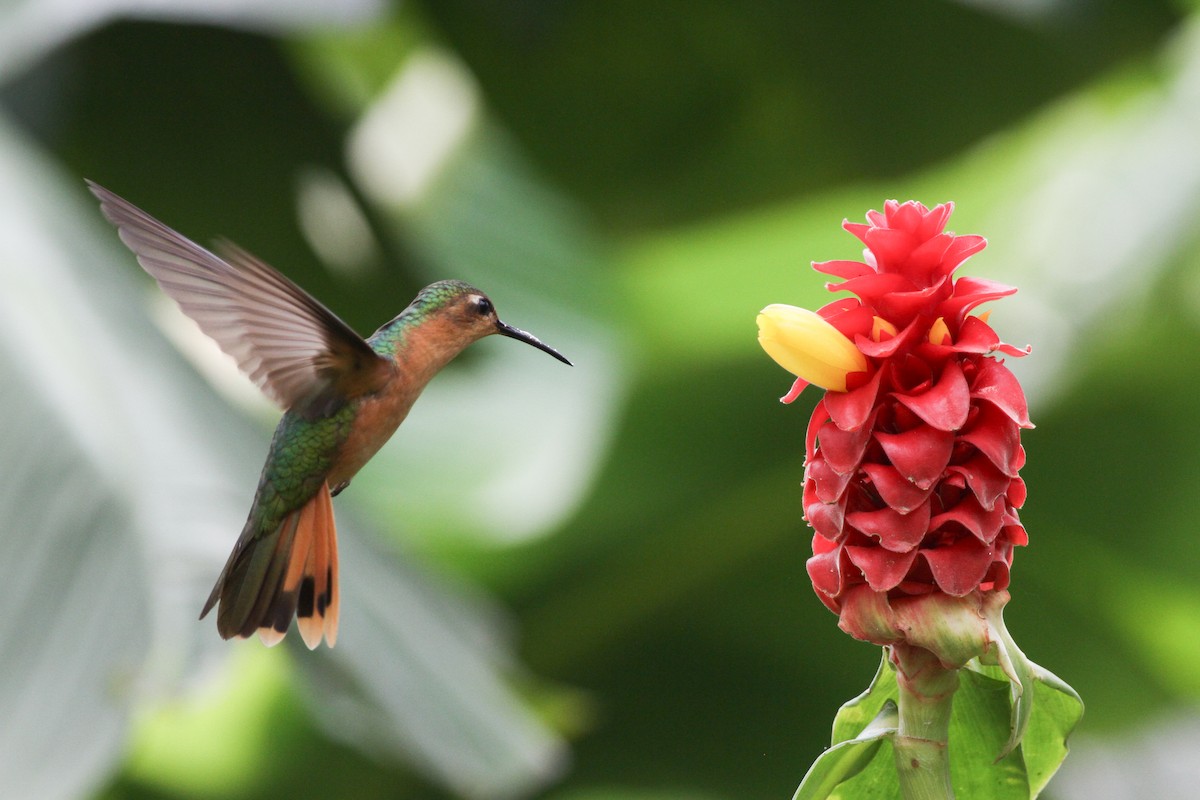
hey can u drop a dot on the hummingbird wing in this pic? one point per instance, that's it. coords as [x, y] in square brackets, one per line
[295, 349]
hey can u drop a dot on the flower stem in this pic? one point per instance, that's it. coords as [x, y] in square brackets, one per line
[921, 744]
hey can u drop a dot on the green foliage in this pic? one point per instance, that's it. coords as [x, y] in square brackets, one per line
[982, 763]
[611, 558]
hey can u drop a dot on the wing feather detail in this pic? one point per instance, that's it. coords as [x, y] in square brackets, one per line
[297, 351]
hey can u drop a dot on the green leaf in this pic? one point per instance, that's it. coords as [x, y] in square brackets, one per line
[848, 758]
[853, 717]
[860, 727]
[982, 710]
[1059, 710]
[1019, 671]
[978, 731]
[982, 726]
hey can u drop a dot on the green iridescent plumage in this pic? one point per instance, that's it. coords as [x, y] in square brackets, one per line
[303, 450]
[391, 336]
[301, 455]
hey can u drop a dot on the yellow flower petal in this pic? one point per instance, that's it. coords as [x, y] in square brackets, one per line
[939, 333]
[880, 326]
[807, 346]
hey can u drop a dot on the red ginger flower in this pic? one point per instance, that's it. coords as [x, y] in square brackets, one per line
[911, 480]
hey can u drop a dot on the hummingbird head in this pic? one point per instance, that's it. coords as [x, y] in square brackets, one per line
[473, 316]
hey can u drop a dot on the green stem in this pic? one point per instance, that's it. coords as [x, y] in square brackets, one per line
[921, 744]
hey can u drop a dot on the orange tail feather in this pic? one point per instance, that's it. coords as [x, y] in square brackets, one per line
[317, 606]
[292, 572]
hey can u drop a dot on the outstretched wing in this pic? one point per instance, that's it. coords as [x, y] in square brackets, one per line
[296, 350]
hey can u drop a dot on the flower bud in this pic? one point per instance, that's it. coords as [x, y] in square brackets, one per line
[807, 346]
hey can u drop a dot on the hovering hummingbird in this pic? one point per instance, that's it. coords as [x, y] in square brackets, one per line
[343, 398]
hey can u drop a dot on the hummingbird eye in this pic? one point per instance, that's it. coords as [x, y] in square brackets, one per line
[483, 306]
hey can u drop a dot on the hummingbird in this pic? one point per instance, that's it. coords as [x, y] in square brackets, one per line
[343, 397]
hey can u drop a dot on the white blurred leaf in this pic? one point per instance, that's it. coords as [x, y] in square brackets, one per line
[417, 671]
[29, 29]
[126, 481]
[101, 521]
[1093, 209]
[1157, 760]
[75, 631]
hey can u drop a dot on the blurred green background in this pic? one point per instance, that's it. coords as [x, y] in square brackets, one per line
[579, 584]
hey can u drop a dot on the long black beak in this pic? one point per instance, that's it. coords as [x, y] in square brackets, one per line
[504, 329]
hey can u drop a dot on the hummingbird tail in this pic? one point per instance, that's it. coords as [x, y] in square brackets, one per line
[289, 572]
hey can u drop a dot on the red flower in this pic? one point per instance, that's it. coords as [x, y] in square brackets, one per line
[911, 480]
